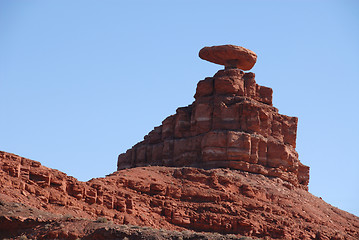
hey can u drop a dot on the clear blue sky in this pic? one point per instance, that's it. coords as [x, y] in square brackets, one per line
[82, 81]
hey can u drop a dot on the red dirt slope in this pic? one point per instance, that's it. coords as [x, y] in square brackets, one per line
[217, 200]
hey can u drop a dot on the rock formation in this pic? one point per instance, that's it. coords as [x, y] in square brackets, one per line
[231, 124]
[168, 198]
[230, 56]
[227, 164]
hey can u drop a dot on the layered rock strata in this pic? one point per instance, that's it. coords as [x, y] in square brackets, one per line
[231, 124]
[169, 198]
[57, 192]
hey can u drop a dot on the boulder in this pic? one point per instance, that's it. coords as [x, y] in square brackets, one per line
[230, 56]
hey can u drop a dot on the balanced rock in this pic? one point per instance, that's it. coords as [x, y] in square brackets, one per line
[231, 124]
[230, 56]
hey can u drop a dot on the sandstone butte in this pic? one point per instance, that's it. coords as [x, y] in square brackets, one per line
[231, 124]
[224, 167]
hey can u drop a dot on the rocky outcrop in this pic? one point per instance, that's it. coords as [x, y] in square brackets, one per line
[19, 221]
[54, 189]
[230, 56]
[216, 200]
[231, 124]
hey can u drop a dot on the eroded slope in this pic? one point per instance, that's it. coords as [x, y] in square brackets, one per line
[216, 200]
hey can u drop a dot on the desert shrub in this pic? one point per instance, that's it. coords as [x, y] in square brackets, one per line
[102, 220]
[134, 227]
[47, 226]
[67, 217]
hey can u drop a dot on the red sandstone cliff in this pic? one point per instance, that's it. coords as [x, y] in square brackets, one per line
[233, 124]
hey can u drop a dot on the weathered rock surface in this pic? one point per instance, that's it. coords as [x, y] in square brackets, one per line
[231, 124]
[168, 198]
[230, 56]
[19, 221]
